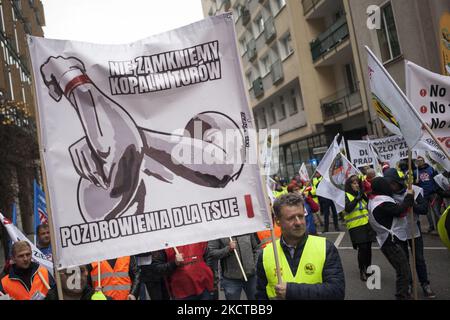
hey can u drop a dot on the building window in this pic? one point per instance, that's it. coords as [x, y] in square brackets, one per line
[286, 43]
[281, 109]
[249, 77]
[265, 65]
[271, 114]
[3, 19]
[262, 119]
[387, 35]
[259, 26]
[243, 46]
[279, 4]
[350, 78]
[255, 118]
[293, 108]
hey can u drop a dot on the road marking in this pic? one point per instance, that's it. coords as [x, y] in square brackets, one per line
[339, 239]
[378, 248]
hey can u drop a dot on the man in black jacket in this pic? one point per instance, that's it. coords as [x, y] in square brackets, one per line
[318, 275]
[388, 219]
[420, 207]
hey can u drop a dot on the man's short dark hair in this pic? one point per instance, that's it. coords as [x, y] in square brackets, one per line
[287, 200]
[42, 227]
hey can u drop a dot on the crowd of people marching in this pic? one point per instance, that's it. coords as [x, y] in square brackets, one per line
[377, 208]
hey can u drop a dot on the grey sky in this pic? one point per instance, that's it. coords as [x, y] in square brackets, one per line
[116, 21]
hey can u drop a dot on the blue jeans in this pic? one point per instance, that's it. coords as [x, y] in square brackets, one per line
[233, 288]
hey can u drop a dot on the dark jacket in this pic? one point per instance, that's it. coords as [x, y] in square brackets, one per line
[384, 213]
[426, 180]
[333, 280]
[25, 277]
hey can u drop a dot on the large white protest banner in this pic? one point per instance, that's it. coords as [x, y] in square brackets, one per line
[16, 235]
[147, 145]
[429, 93]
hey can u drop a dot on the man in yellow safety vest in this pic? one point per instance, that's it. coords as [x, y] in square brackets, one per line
[310, 266]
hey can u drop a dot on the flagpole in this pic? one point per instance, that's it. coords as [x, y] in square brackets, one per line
[239, 262]
[425, 126]
[47, 194]
[412, 226]
[262, 179]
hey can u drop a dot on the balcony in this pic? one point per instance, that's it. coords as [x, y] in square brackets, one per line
[329, 39]
[341, 103]
[251, 50]
[269, 30]
[277, 72]
[258, 87]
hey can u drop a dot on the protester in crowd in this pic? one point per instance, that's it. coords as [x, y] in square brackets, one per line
[26, 280]
[43, 240]
[309, 211]
[420, 207]
[264, 237]
[314, 261]
[119, 278]
[425, 180]
[213, 264]
[386, 219]
[153, 282]
[188, 276]
[357, 220]
[75, 286]
[233, 281]
[444, 228]
[326, 207]
[367, 182]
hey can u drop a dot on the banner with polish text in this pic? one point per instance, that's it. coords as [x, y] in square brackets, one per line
[148, 145]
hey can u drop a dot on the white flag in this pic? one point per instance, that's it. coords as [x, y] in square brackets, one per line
[429, 93]
[391, 105]
[376, 159]
[335, 169]
[429, 149]
[303, 172]
[16, 235]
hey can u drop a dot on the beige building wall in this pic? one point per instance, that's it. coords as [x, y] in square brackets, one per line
[18, 18]
[328, 66]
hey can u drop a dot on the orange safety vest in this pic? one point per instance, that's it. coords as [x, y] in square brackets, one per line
[16, 289]
[116, 282]
[265, 236]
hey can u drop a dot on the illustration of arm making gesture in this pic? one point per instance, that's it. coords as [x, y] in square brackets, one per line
[115, 153]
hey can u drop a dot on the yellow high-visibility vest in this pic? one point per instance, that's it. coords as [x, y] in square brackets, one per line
[309, 270]
[442, 230]
[359, 216]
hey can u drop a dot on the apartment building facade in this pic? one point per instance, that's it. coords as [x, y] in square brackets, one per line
[305, 64]
[19, 164]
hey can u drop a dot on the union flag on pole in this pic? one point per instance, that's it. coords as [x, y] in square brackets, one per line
[391, 104]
